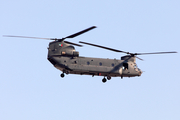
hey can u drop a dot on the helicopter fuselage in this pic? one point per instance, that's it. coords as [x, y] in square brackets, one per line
[65, 58]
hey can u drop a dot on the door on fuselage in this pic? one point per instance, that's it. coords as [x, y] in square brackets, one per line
[125, 69]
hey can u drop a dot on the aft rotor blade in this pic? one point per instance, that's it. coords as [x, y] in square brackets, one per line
[81, 32]
[103, 47]
[27, 37]
[72, 43]
[155, 53]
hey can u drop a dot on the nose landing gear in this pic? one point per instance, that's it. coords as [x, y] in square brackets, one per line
[104, 80]
[109, 77]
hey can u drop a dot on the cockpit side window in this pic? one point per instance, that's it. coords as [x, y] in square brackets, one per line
[135, 65]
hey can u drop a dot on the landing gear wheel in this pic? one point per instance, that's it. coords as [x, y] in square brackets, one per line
[62, 75]
[104, 80]
[109, 77]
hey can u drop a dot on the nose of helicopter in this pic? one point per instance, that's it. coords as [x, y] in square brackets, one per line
[140, 72]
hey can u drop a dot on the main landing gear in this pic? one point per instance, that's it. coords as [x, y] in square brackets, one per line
[104, 80]
[62, 75]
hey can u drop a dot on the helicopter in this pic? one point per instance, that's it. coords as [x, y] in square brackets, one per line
[63, 56]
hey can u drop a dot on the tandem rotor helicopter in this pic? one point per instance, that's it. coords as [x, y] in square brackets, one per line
[63, 56]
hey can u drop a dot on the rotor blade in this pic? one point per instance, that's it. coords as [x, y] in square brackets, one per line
[27, 37]
[71, 36]
[139, 58]
[103, 47]
[155, 53]
[72, 43]
[81, 32]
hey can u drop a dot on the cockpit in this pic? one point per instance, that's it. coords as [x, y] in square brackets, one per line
[131, 68]
[136, 68]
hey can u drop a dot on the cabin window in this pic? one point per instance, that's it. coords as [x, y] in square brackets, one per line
[100, 64]
[88, 63]
[112, 64]
[75, 62]
[125, 66]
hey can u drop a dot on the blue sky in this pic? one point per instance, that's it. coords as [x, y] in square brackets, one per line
[31, 88]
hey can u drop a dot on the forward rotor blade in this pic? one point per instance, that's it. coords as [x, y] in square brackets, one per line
[81, 32]
[72, 43]
[139, 58]
[27, 37]
[104, 47]
[155, 53]
[71, 36]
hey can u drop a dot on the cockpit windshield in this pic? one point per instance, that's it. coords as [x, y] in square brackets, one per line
[135, 65]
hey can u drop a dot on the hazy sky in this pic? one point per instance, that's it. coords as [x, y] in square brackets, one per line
[31, 88]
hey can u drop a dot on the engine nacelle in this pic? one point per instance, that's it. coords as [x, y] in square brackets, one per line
[70, 53]
[62, 49]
